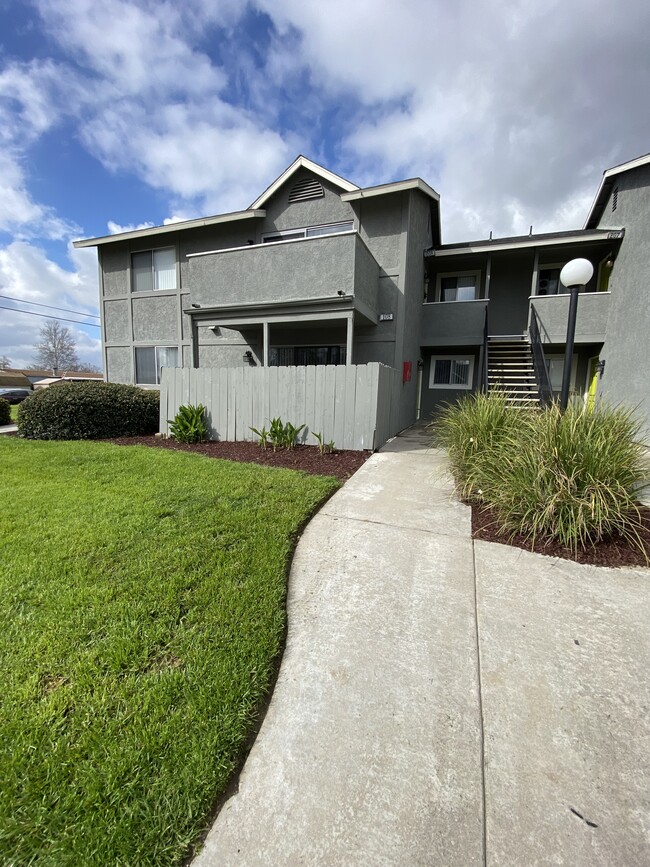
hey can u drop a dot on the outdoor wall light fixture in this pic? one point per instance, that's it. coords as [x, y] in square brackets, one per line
[248, 356]
[575, 274]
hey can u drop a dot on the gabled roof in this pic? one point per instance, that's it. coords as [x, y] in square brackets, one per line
[302, 162]
[606, 184]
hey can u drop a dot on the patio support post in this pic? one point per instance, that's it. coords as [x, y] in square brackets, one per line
[265, 343]
[350, 334]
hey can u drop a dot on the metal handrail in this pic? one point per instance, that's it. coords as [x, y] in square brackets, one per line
[485, 352]
[539, 361]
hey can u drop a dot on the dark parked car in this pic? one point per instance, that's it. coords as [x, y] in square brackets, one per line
[15, 395]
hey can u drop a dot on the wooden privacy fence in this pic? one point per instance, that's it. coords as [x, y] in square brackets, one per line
[353, 405]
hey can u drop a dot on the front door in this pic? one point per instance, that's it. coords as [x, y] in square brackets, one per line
[592, 382]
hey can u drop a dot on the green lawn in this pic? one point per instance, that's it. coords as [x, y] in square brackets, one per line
[141, 610]
[14, 411]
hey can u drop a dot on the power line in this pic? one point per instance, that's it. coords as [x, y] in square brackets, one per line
[51, 306]
[49, 316]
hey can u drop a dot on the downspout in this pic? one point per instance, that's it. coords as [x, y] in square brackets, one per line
[418, 386]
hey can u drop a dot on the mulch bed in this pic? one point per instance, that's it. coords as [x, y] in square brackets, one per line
[614, 552]
[341, 464]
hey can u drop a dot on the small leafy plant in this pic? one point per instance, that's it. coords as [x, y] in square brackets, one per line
[189, 425]
[263, 436]
[323, 447]
[281, 435]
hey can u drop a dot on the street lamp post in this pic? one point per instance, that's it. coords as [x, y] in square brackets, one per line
[576, 273]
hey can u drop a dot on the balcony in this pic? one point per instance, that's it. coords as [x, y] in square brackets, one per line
[291, 272]
[451, 323]
[591, 323]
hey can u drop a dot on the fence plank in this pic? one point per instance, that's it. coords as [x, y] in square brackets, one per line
[353, 405]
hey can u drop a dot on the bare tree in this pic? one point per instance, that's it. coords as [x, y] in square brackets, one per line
[5, 361]
[56, 349]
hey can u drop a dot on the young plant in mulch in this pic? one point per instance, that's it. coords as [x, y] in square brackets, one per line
[323, 447]
[188, 425]
[282, 435]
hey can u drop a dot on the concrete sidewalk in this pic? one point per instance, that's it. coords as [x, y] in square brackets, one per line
[445, 703]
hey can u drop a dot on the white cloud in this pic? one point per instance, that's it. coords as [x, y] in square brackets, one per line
[26, 273]
[510, 109]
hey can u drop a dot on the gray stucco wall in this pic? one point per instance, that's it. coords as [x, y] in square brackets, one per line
[156, 319]
[312, 268]
[119, 363]
[144, 318]
[418, 238]
[432, 399]
[377, 342]
[625, 351]
[380, 226]
[281, 215]
[114, 261]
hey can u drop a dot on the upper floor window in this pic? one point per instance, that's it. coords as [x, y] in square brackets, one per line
[308, 232]
[458, 287]
[153, 270]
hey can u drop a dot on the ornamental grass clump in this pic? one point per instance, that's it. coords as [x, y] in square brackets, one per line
[568, 476]
[473, 431]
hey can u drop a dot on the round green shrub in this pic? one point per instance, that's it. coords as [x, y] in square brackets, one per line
[89, 410]
[5, 411]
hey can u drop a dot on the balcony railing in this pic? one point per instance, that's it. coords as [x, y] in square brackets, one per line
[303, 270]
[553, 312]
[451, 323]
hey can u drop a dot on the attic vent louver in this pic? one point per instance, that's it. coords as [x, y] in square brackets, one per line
[309, 188]
[615, 199]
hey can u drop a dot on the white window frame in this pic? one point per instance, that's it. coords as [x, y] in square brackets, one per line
[451, 386]
[440, 277]
[156, 348]
[153, 251]
[303, 232]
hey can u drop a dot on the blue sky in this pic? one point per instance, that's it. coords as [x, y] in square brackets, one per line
[126, 112]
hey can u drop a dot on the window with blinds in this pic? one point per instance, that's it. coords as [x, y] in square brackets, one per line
[153, 270]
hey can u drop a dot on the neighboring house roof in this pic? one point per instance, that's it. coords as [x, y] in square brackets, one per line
[546, 239]
[304, 163]
[13, 379]
[73, 374]
[180, 226]
[606, 184]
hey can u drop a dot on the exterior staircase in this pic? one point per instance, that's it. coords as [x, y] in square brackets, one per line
[511, 370]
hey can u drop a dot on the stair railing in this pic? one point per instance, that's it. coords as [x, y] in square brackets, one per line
[485, 352]
[539, 361]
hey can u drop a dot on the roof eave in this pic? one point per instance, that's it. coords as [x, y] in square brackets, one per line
[494, 246]
[396, 187]
[153, 231]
